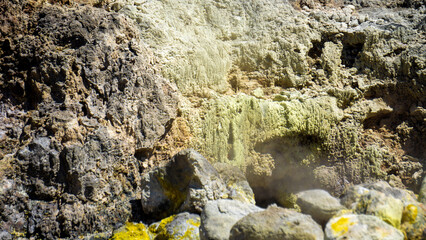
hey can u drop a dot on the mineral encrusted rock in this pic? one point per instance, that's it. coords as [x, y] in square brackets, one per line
[355, 227]
[298, 94]
[186, 183]
[81, 96]
[219, 216]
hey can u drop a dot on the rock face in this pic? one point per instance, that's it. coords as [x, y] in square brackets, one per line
[97, 95]
[276, 223]
[219, 216]
[319, 204]
[360, 227]
[335, 80]
[186, 183]
[81, 87]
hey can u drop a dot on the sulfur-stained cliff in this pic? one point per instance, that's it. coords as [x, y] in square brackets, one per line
[298, 94]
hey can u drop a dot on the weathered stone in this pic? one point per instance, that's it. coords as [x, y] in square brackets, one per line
[238, 187]
[386, 207]
[355, 227]
[219, 216]
[276, 223]
[186, 183]
[82, 90]
[353, 194]
[422, 193]
[397, 207]
[180, 226]
[132, 231]
[319, 204]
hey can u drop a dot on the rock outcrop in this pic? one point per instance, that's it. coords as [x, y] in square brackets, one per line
[81, 97]
[97, 96]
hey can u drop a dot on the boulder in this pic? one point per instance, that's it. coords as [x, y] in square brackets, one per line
[319, 204]
[395, 206]
[352, 226]
[186, 183]
[238, 187]
[276, 223]
[352, 195]
[386, 207]
[182, 226]
[219, 216]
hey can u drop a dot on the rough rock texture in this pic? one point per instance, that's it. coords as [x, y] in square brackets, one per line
[395, 206]
[387, 208]
[186, 183]
[181, 226]
[355, 227]
[369, 62]
[319, 204]
[299, 94]
[219, 216]
[80, 96]
[276, 223]
[234, 179]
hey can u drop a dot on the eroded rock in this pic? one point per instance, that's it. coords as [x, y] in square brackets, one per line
[186, 183]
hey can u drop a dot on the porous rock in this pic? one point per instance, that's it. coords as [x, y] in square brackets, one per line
[80, 89]
[219, 216]
[181, 226]
[186, 183]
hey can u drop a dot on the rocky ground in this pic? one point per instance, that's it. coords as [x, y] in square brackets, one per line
[272, 99]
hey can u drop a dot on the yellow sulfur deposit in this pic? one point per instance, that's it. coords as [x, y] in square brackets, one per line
[132, 231]
[341, 226]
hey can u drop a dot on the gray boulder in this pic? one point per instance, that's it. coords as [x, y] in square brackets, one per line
[352, 226]
[276, 223]
[219, 216]
[319, 204]
[186, 183]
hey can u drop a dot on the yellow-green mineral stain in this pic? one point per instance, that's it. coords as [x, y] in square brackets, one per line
[341, 226]
[161, 227]
[132, 231]
[410, 213]
[175, 196]
[161, 233]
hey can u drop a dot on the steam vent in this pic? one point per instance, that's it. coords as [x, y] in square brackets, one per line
[213, 119]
